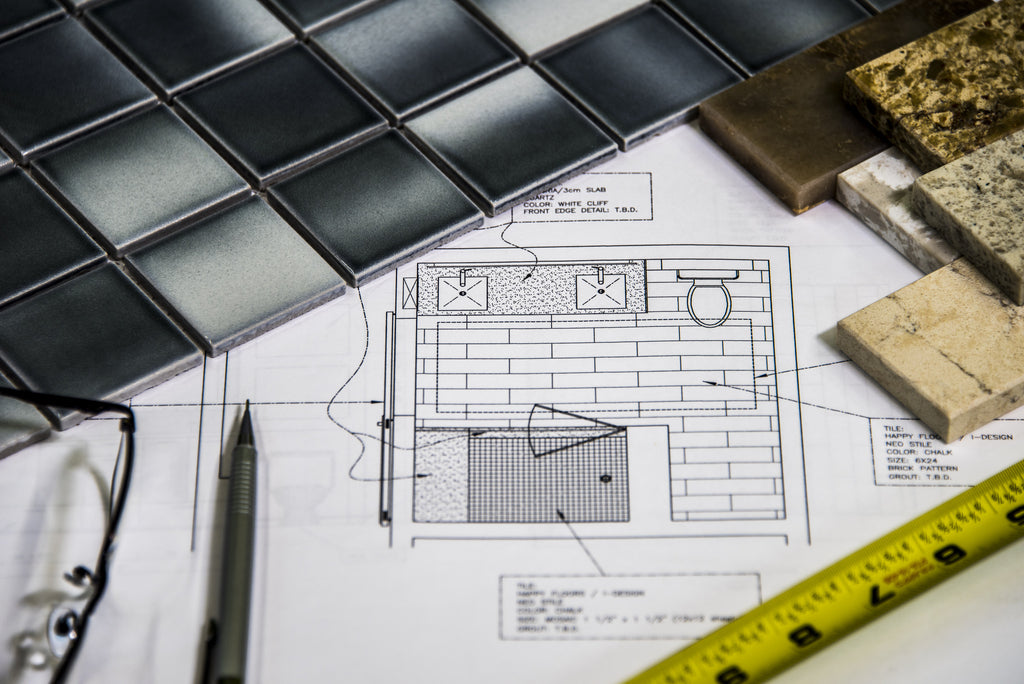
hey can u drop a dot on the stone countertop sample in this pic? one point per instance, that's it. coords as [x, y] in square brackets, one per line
[789, 125]
[950, 92]
[877, 191]
[977, 202]
[949, 346]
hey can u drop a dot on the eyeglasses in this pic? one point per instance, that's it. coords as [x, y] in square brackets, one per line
[67, 625]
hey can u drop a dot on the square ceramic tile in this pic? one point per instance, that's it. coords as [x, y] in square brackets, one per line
[95, 336]
[757, 34]
[789, 126]
[40, 242]
[21, 424]
[252, 115]
[178, 43]
[411, 53]
[977, 202]
[881, 5]
[237, 274]
[139, 177]
[20, 15]
[948, 346]
[535, 26]
[950, 92]
[375, 206]
[309, 15]
[511, 138]
[58, 82]
[640, 75]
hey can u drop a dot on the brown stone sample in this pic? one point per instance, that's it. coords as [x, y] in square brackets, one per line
[789, 125]
[950, 92]
[949, 346]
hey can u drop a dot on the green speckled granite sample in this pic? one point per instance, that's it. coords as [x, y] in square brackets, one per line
[950, 92]
[789, 126]
[977, 202]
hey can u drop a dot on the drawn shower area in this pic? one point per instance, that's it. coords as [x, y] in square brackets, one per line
[538, 391]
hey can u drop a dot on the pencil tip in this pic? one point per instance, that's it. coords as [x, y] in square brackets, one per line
[245, 435]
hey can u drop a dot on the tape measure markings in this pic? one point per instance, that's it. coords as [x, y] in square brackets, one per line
[855, 590]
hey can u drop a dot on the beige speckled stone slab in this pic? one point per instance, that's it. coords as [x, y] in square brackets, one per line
[950, 92]
[977, 203]
[949, 346]
[877, 191]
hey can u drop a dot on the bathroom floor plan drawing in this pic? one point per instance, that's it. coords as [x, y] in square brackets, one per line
[640, 391]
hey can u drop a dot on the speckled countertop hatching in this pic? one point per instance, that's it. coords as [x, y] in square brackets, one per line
[950, 92]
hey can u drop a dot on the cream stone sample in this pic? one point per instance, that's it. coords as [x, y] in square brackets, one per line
[877, 191]
[949, 346]
[977, 203]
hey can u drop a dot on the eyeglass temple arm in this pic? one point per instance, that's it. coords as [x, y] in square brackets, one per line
[61, 401]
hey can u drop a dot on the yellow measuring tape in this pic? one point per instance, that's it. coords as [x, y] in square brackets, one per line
[850, 593]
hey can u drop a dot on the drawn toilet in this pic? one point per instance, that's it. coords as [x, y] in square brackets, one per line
[708, 300]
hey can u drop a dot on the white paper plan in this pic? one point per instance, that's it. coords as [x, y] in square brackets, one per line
[555, 450]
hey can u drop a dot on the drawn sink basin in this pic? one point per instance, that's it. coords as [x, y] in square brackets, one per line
[465, 293]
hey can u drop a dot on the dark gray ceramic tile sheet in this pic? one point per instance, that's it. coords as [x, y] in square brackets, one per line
[411, 53]
[20, 15]
[881, 5]
[338, 203]
[640, 75]
[96, 335]
[756, 33]
[237, 274]
[40, 242]
[535, 26]
[280, 113]
[139, 177]
[178, 43]
[21, 424]
[57, 82]
[146, 187]
[309, 15]
[511, 138]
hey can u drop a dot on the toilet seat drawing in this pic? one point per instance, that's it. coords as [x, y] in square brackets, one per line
[708, 301]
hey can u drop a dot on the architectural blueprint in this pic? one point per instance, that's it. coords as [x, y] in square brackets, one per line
[555, 450]
[561, 388]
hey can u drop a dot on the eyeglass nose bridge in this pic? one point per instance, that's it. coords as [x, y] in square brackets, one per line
[64, 622]
[62, 628]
